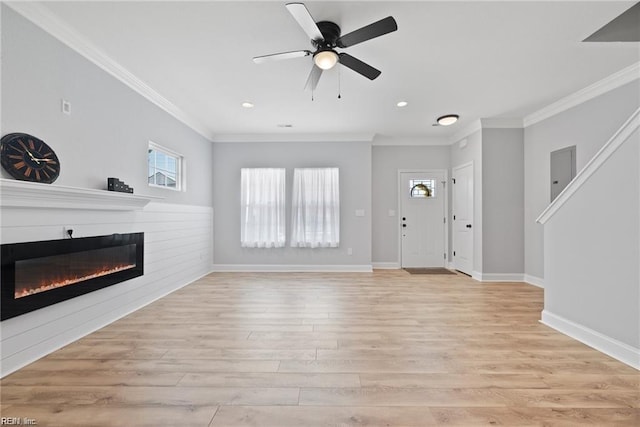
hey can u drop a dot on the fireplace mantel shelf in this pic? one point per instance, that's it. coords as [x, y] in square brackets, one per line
[34, 195]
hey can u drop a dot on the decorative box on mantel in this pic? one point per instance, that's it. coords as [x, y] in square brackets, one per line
[34, 195]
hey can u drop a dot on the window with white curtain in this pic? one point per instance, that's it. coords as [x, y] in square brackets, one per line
[315, 207]
[262, 224]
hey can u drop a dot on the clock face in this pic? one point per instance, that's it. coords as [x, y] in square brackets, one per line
[28, 158]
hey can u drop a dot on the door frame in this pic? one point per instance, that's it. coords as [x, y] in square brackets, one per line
[446, 221]
[573, 151]
[453, 231]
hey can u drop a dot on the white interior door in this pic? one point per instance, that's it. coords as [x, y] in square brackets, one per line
[422, 219]
[463, 218]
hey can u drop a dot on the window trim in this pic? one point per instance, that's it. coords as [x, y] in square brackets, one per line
[181, 167]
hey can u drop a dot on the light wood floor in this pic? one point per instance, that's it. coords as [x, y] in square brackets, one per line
[358, 349]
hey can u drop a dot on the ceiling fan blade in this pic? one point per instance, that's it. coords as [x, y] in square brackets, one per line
[358, 66]
[301, 14]
[314, 78]
[280, 56]
[371, 31]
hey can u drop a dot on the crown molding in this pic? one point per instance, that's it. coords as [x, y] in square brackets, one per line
[472, 128]
[293, 137]
[49, 22]
[386, 140]
[605, 85]
[502, 123]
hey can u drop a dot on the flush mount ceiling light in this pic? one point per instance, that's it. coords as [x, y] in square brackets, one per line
[247, 104]
[448, 120]
[402, 104]
[325, 59]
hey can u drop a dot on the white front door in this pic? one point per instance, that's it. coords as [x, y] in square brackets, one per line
[422, 219]
[462, 192]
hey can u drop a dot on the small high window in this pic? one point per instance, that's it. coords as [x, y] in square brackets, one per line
[422, 188]
[165, 168]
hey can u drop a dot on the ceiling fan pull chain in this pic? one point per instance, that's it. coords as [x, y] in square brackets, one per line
[339, 84]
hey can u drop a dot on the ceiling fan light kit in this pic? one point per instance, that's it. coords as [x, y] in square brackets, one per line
[325, 37]
[325, 59]
[448, 119]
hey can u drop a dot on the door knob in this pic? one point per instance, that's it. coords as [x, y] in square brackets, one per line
[468, 226]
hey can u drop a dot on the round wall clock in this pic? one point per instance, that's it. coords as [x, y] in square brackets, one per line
[28, 158]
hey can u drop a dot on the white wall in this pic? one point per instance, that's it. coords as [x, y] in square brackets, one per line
[386, 161]
[587, 126]
[354, 161]
[106, 135]
[178, 250]
[502, 203]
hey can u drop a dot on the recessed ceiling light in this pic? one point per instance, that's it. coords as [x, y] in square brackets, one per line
[247, 104]
[402, 104]
[448, 120]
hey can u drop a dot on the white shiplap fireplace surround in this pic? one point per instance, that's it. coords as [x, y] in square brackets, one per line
[178, 250]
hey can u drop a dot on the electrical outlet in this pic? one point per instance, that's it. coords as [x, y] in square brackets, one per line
[66, 107]
[69, 231]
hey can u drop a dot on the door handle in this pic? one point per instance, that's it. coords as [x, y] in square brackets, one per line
[404, 225]
[468, 225]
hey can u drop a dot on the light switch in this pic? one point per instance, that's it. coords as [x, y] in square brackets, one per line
[392, 212]
[66, 107]
[359, 212]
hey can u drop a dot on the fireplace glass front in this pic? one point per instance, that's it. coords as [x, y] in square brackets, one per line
[38, 274]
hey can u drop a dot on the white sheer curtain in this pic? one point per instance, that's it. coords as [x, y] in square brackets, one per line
[315, 218]
[262, 224]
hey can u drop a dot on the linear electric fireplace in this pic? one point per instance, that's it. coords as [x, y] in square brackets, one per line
[39, 274]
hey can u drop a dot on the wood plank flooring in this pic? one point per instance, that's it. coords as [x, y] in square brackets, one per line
[314, 349]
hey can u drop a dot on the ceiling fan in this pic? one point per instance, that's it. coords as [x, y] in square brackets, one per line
[325, 38]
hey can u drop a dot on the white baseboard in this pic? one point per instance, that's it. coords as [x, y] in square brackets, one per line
[295, 268]
[498, 277]
[476, 275]
[607, 345]
[386, 265]
[534, 280]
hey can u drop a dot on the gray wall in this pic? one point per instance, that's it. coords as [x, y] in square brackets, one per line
[354, 161]
[598, 228]
[588, 126]
[472, 152]
[386, 161]
[106, 135]
[109, 127]
[503, 201]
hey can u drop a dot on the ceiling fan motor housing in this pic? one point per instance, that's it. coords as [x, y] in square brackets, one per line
[331, 33]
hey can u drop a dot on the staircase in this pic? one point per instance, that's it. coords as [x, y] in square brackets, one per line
[592, 250]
